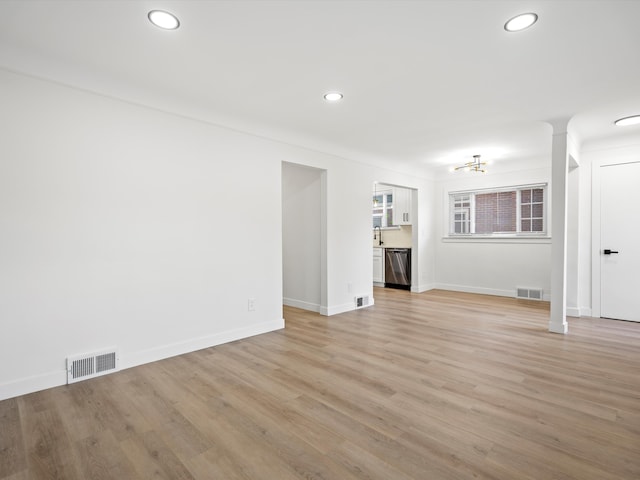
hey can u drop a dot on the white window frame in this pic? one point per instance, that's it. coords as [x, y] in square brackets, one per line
[385, 207]
[469, 213]
[518, 233]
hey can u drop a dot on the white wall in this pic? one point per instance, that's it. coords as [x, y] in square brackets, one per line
[302, 236]
[578, 294]
[121, 225]
[490, 266]
[573, 241]
[425, 235]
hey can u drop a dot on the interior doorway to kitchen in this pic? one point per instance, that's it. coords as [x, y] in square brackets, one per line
[304, 244]
[395, 226]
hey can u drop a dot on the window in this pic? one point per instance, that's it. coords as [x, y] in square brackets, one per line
[461, 213]
[505, 211]
[532, 210]
[383, 209]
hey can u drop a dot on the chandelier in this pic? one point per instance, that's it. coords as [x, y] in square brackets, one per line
[474, 166]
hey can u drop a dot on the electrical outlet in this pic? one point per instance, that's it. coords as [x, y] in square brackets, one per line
[251, 304]
[350, 287]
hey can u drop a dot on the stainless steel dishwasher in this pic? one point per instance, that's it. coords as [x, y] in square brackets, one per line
[397, 268]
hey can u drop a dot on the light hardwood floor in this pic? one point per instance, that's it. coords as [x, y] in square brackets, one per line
[438, 385]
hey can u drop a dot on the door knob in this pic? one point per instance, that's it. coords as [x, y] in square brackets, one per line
[609, 252]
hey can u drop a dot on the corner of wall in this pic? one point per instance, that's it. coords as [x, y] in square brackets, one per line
[337, 309]
[422, 288]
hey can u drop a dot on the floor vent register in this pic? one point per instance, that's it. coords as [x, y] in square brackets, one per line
[90, 365]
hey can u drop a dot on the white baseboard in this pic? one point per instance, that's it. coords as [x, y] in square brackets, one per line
[586, 312]
[33, 384]
[167, 351]
[292, 302]
[422, 288]
[36, 383]
[579, 311]
[484, 291]
[336, 309]
[558, 328]
[471, 289]
[347, 307]
[573, 312]
[327, 311]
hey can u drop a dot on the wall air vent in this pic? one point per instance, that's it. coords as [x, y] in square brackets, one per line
[362, 301]
[529, 293]
[82, 367]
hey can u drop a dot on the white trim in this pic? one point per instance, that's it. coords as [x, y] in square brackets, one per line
[32, 384]
[506, 188]
[496, 239]
[422, 288]
[345, 307]
[472, 289]
[485, 291]
[324, 257]
[560, 146]
[179, 348]
[573, 312]
[292, 302]
[337, 309]
[562, 328]
[595, 236]
[57, 378]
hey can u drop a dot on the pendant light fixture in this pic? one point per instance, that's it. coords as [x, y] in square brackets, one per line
[474, 166]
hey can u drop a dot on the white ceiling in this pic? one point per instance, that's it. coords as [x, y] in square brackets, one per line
[427, 84]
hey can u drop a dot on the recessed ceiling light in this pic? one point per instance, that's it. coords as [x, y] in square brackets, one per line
[163, 19]
[520, 22]
[632, 120]
[333, 96]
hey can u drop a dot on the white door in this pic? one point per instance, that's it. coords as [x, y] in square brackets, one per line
[620, 241]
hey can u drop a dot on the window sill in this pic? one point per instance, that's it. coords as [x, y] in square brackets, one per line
[496, 239]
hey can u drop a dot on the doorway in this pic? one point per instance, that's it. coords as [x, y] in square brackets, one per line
[304, 265]
[395, 212]
[619, 252]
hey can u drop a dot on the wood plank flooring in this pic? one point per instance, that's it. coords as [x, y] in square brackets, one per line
[438, 385]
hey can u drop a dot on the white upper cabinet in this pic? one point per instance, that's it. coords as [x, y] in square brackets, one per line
[402, 206]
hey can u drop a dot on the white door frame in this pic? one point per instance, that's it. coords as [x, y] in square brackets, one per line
[596, 247]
